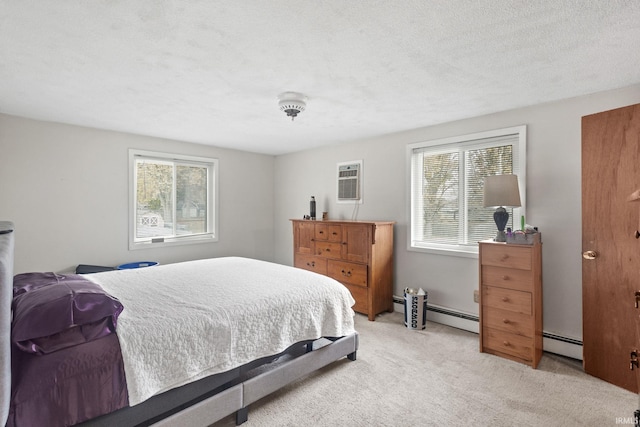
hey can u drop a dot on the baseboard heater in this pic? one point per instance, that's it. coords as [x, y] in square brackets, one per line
[473, 318]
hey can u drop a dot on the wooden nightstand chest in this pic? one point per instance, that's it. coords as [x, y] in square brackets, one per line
[511, 301]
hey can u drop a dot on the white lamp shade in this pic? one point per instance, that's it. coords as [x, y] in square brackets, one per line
[501, 190]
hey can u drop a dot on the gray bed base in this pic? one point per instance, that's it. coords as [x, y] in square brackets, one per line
[199, 404]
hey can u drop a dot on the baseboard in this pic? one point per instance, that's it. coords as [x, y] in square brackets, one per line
[551, 343]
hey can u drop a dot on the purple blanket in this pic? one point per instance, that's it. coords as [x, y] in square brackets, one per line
[66, 361]
[68, 386]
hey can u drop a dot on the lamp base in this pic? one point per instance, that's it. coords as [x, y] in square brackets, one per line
[501, 217]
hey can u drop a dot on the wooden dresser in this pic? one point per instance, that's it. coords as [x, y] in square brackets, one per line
[511, 301]
[359, 254]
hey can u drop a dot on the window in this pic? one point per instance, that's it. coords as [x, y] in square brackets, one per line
[173, 199]
[446, 188]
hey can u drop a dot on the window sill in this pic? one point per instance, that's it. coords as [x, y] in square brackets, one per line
[460, 251]
[167, 242]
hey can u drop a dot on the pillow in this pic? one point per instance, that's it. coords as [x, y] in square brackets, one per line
[68, 338]
[27, 282]
[58, 315]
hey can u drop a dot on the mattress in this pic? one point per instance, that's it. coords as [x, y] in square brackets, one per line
[185, 321]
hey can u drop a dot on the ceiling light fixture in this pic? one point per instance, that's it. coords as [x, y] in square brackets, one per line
[292, 103]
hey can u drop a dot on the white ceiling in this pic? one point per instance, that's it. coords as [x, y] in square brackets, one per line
[210, 71]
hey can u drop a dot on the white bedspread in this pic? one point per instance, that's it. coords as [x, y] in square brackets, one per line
[182, 322]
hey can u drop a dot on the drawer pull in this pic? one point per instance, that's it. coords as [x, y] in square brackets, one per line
[320, 232]
[505, 299]
[506, 343]
[505, 277]
[327, 250]
[346, 273]
[311, 264]
[506, 321]
[504, 257]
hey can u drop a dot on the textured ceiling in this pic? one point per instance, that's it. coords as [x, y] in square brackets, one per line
[210, 71]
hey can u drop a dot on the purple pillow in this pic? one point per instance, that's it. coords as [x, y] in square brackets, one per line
[58, 315]
[27, 282]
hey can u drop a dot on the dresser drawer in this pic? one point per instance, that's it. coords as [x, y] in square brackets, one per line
[361, 295]
[506, 299]
[329, 249]
[508, 321]
[509, 256]
[348, 272]
[335, 233]
[321, 232]
[511, 278]
[505, 342]
[311, 263]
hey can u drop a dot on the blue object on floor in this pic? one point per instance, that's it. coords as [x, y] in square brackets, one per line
[139, 264]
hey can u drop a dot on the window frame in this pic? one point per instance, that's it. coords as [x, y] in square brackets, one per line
[519, 167]
[212, 200]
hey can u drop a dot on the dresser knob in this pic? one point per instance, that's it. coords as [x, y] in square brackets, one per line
[505, 299]
[505, 321]
[506, 343]
[505, 277]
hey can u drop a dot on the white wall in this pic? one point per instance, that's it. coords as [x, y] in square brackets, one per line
[553, 201]
[66, 189]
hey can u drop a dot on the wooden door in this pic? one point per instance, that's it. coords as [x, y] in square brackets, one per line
[611, 252]
[303, 237]
[356, 240]
[634, 198]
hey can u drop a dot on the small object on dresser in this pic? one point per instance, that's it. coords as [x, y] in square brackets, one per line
[312, 208]
[520, 238]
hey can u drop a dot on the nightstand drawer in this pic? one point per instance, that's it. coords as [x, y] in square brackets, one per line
[511, 278]
[348, 272]
[508, 321]
[509, 256]
[311, 263]
[506, 299]
[504, 342]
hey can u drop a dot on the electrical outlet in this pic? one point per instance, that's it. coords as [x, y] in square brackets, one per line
[476, 296]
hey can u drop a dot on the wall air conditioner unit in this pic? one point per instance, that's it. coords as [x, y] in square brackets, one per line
[349, 182]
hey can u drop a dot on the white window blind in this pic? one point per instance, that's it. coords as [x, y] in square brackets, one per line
[446, 187]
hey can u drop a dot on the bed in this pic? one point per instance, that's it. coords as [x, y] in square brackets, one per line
[156, 352]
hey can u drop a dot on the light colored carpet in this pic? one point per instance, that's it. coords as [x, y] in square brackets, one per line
[437, 377]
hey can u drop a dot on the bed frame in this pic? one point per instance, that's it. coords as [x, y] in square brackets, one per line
[197, 404]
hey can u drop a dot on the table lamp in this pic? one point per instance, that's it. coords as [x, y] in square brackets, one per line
[501, 191]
